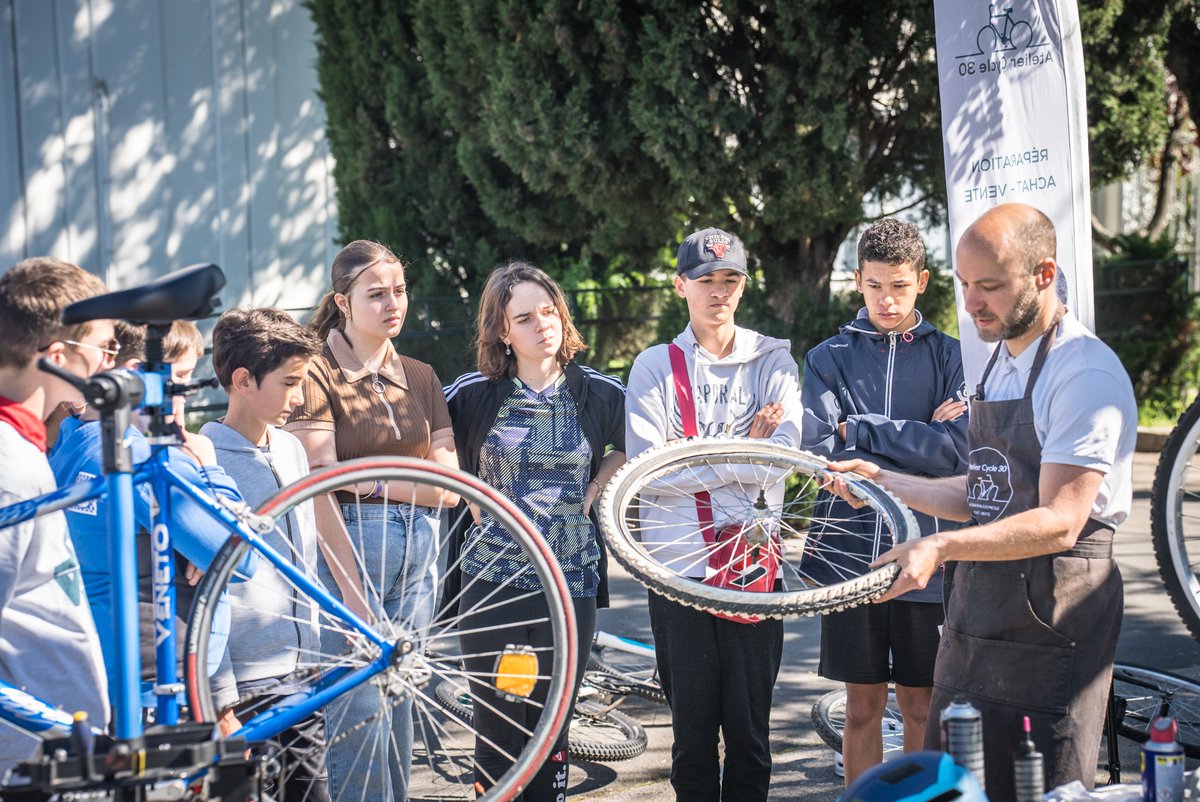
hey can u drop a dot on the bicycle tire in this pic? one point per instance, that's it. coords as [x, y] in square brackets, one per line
[1141, 695]
[601, 735]
[829, 721]
[1174, 500]
[621, 681]
[443, 750]
[597, 734]
[747, 471]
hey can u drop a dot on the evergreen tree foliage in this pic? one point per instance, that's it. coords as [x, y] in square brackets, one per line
[397, 169]
[591, 136]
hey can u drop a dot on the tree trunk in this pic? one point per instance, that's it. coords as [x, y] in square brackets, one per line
[1183, 54]
[797, 277]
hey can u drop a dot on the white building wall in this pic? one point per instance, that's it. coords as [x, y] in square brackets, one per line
[139, 136]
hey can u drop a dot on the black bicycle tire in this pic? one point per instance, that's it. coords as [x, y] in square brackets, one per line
[402, 469]
[1166, 532]
[823, 717]
[650, 691]
[580, 747]
[448, 692]
[1136, 727]
[624, 485]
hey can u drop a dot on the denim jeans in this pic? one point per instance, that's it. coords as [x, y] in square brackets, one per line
[398, 546]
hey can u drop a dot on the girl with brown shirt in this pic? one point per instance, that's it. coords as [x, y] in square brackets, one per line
[361, 399]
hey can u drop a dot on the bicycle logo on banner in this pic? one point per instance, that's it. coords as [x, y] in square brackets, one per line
[1003, 34]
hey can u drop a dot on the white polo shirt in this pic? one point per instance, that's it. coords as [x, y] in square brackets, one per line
[1083, 408]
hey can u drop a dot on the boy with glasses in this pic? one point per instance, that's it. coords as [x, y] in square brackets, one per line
[77, 456]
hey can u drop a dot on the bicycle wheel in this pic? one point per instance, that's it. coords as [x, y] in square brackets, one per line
[1175, 517]
[597, 733]
[829, 720]
[624, 673]
[1144, 693]
[417, 646]
[764, 494]
[601, 735]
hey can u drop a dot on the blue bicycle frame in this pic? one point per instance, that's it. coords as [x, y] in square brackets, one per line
[42, 719]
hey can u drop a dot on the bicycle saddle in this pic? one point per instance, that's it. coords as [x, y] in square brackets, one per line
[186, 294]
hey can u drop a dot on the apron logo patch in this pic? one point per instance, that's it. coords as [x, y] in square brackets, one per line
[989, 483]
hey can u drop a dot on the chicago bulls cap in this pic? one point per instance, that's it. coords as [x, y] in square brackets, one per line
[710, 250]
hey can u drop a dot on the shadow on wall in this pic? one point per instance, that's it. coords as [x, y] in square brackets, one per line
[153, 135]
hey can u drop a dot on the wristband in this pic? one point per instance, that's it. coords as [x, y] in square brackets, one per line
[377, 489]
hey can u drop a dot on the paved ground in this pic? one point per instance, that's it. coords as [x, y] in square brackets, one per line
[1151, 635]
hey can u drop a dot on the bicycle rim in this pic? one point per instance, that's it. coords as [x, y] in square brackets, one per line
[765, 494]
[423, 641]
[1144, 693]
[1175, 518]
[829, 720]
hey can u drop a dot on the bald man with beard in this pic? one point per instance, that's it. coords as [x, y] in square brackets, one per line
[1033, 596]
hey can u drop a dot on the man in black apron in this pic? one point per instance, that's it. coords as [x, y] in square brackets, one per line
[1034, 598]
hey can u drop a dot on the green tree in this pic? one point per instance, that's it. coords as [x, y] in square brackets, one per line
[593, 135]
[397, 170]
[772, 121]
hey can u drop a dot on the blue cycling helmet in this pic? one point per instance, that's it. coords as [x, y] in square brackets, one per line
[918, 777]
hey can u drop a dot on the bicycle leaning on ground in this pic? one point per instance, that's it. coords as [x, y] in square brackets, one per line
[178, 760]
[1175, 517]
[624, 667]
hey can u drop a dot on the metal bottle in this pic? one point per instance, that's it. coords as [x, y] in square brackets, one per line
[1162, 763]
[1029, 774]
[962, 736]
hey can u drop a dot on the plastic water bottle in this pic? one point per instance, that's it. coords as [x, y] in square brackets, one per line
[962, 736]
[1029, 774]
[1162, 763]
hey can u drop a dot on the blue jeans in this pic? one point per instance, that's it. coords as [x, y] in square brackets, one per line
[397, 544]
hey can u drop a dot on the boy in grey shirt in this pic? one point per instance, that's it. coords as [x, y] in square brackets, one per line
[261, 357]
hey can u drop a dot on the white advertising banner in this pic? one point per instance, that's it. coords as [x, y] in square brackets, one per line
[1014, 128]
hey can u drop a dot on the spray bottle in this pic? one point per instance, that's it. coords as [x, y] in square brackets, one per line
[1162, 763]
[1029, 775]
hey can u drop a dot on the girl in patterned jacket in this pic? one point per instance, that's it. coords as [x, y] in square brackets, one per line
[548, 433]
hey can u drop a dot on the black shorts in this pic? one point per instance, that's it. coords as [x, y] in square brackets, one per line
[896, 641]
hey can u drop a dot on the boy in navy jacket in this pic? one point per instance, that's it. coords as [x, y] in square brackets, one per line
[889, 389]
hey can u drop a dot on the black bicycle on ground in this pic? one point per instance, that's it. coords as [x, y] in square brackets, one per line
[1175, 517]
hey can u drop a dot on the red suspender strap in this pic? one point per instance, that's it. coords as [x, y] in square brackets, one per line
[683, 390]
[687, 416]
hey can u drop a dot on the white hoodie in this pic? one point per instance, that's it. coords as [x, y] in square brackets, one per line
[727, 393]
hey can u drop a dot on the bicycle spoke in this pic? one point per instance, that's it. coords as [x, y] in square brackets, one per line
[767, 506]
[365, 725]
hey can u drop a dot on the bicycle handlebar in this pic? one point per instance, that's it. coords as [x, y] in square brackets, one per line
[104, 391]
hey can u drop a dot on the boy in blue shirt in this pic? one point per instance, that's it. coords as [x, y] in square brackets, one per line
[888, 389]
[196, 537]
[261, 357]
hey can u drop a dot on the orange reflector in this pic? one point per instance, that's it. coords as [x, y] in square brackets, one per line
[516, 671]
